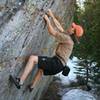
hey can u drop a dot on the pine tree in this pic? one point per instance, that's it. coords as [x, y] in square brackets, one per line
[89, 50]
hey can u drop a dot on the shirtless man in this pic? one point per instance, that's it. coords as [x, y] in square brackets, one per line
[55, 64]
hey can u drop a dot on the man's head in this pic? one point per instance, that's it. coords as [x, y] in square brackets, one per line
[76, 30]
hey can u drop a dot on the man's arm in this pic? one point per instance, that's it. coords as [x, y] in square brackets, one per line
[51, 30]
[61, 37]
[56, 22]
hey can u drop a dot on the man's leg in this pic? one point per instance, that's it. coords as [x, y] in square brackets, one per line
[56, 22]
[29, 66]
[36, 79]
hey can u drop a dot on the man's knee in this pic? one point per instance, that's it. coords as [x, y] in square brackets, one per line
[34, 58]
[41, 71]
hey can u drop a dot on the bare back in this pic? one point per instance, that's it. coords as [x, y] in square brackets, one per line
[64, 46]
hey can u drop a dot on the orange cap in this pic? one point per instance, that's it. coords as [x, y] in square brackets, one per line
[78, 29]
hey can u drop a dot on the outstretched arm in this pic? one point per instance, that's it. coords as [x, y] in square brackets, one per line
[60, 37]
[51, 30]
[56, 22]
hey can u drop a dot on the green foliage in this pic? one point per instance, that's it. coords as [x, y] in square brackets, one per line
[89, 49]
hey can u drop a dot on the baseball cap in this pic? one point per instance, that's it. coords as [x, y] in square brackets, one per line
[78, 29]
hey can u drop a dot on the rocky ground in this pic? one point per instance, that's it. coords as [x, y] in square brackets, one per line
[53, 91]
[58, 91]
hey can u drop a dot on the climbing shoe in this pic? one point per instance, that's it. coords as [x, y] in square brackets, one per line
[30, 88]
[15, 80]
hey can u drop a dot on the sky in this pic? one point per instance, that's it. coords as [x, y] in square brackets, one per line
[81, 3]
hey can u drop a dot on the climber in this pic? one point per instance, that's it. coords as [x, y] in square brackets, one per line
[57, 63]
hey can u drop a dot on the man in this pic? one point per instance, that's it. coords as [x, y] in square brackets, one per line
[55, 64]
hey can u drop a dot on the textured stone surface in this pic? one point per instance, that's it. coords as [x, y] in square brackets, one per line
[22, 33]
[77, 94]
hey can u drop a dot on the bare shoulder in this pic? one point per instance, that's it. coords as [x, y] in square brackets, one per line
[62, 36]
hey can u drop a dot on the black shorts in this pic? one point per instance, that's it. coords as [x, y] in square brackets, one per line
[50, 65]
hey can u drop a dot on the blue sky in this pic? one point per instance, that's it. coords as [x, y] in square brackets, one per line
[80, 2]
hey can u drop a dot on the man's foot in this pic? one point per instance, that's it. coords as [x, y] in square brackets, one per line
[15, 80]
[29, 88]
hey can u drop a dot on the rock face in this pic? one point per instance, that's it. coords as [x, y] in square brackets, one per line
[77, 94]
[23, 33]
